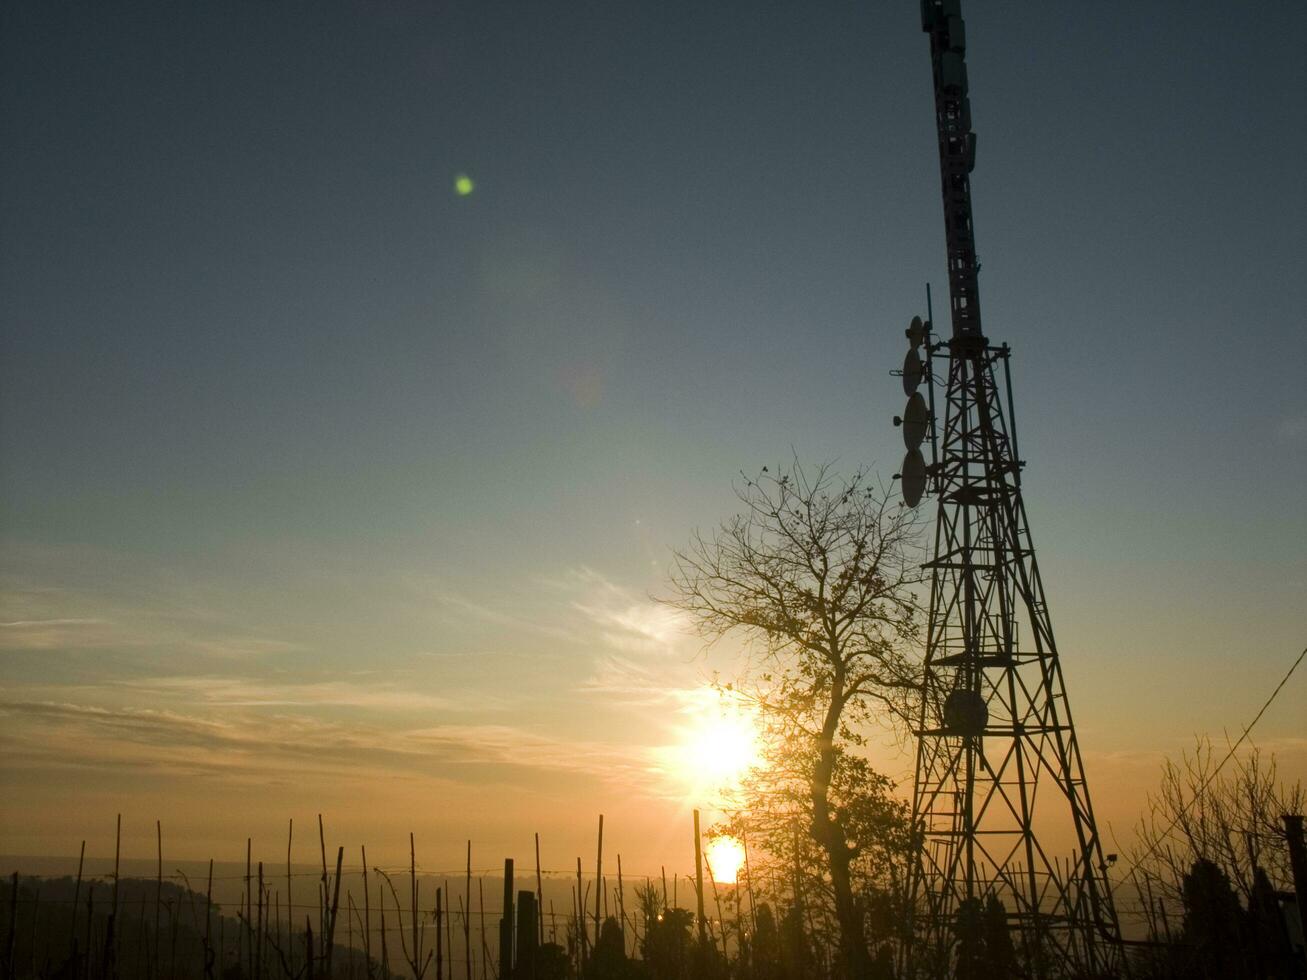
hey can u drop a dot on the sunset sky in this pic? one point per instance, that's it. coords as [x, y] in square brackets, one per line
[325, 487]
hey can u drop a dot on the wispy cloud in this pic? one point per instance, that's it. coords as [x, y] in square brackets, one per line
[629, 621]
[58, 632]
[258, 692]
[256, 747]
[645, 653]
[65, 619]
[454, 606]
[33, 623]
[256, 702]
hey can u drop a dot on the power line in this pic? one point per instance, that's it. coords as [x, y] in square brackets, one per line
[1157, 841]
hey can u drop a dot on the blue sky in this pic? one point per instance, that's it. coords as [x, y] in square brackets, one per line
[295, 439]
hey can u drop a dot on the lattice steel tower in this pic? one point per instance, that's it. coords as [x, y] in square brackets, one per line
[1000, 797]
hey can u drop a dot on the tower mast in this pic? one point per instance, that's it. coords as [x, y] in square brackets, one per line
[1000, 799]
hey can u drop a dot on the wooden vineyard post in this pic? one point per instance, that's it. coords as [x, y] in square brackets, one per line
[621, 901]
[331, 922]
[525, 960]
[540, 897]
[440, 935]
[599, 878]
[367, 912]
[290, 901]
[467, 914]
[158, 899]
[77, 896]
[698, 881]
[506, 925]
[12, 937]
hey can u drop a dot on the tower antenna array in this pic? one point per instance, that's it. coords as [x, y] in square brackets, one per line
[1000, 799]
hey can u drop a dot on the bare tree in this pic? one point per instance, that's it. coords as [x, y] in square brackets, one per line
[816, 574]
[1207, 834]
[1232, 820]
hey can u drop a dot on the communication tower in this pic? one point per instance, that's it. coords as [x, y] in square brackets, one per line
[1000, 799]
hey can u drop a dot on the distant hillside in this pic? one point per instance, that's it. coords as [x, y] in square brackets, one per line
[60, 929]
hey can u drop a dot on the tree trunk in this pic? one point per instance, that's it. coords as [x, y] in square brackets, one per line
[829, 834]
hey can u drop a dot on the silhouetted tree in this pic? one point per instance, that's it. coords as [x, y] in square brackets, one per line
[796, 951]
[1212, 843]
[1230, 819]
[765, 960]
[665, 945]
[608, 958]
[815, 574]
[552, 962]
[1270, 939]
[1214, 925]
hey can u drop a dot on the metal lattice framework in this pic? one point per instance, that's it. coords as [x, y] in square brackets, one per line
[998, 769]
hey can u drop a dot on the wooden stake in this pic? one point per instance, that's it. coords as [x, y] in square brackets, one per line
[36, 911]
[467, 927]
[506, 924]
[440, 942]
[367, 914]
[325, 890]
[113, 914]
[540, 894]
[467, 914]
[621, 900]
[449, 932]
[247, 914]
[276, 920]
[485, 951]
[331, 922]
[698, 879]
[90, 925]
[259, 935]
[290, 901]
[413, 901]
[580, 916]
[158, 898]
[599, 877]
[12, 941]
[77, 895]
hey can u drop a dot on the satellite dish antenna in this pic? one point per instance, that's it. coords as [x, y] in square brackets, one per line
[914, 421]
[914, 477]
[916, 332]
[913, 370]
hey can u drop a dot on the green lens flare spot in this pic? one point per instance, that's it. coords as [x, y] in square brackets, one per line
[463, 185]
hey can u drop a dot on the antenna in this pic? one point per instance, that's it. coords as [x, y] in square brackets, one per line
[1000, 793]
[915, 420]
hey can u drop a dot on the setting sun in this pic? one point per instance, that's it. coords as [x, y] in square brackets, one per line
[725, 747]
[725, 856]
[715, 750]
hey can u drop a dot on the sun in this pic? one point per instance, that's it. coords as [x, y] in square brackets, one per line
[724, 747]
[717, 748]
[725, 857]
